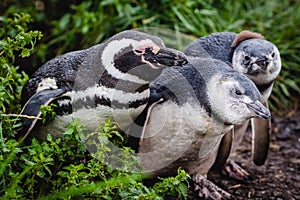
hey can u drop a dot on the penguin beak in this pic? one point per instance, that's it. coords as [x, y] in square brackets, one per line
[259, 109]
[258, 66]
[263, 63]
[167, 57]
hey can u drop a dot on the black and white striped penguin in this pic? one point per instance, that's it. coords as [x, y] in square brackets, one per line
[259, 59]
[108, 80]
[189, 107]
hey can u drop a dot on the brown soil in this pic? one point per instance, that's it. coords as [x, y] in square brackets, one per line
[279, 177]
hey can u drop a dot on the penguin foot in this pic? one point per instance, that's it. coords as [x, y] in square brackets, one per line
[208, 190]
[217, 177]
[234, 171]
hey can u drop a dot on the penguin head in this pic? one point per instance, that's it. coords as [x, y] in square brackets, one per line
[234, 98]
[259, 59]
[140, 54]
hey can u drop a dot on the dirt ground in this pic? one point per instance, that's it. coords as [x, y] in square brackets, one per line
[279, 177]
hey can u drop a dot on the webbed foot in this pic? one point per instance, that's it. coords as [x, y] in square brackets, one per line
[208, 190]
[234, 171]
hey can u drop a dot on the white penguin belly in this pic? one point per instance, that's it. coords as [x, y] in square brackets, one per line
[91, 118]
[179, 136]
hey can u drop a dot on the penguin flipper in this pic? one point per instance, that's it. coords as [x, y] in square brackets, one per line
[224, 150]
[147, 119]
[32, 109]
[223, 153]
[136, 130]
[261, 131]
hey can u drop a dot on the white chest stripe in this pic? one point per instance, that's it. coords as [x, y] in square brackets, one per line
[109, 52]
[109, 93]
[63, 102]
[47, 83]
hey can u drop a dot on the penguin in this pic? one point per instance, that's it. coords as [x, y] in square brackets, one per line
[108, 80]
[248, 53]
[189, 108]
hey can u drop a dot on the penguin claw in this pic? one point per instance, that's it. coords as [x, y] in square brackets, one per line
[208, 190]
[234, 171]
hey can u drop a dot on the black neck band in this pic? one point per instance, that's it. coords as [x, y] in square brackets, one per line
[264, 87]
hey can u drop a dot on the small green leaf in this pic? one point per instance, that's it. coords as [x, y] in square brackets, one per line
[68, 132]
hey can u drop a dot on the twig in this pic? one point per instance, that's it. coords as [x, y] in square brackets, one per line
[235, 186]
[24, 116]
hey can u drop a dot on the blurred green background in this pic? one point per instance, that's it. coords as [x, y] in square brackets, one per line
[72, 25]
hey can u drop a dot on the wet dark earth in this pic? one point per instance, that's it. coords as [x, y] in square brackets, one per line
[279, 177]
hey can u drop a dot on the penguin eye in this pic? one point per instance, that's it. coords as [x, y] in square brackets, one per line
[273, 54]
[238, 92]
[149, 49]
[247, 58]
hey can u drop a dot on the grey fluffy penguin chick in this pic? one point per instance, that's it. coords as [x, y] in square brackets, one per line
[189, 107]
[108, 80]
[249, 53]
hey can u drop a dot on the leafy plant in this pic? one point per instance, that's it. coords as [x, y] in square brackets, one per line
[14, 39]
[174, 186]
[48, 113]
[67, 170]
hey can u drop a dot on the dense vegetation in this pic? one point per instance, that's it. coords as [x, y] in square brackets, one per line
[32, 32]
